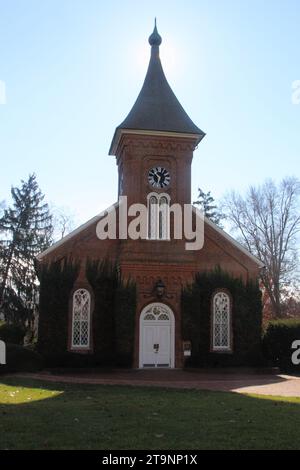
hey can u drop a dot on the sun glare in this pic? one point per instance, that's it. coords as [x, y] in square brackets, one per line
[170, 55]
[15, 395]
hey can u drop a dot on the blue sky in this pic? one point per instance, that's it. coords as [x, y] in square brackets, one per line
[73, 69]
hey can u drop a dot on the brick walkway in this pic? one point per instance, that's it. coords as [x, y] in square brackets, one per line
[237, 381]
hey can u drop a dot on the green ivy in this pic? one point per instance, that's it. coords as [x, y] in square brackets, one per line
[113, 315]
[56, 283]
[124, 323]
[103, 278]
[246, 319]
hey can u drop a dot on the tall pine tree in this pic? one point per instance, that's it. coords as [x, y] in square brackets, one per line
[208, 207]
[25, 230]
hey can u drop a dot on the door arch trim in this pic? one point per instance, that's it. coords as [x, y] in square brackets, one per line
[142, 322]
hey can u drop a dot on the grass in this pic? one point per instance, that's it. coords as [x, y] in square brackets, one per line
[40, 415]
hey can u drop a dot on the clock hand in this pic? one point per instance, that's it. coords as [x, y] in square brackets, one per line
[161, 180]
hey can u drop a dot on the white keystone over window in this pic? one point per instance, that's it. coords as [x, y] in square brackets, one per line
[2, 92]
[2, 353]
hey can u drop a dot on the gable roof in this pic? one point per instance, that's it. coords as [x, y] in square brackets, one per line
[95, 219]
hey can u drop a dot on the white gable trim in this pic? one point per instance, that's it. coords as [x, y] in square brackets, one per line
[113, 206]
[75, 232]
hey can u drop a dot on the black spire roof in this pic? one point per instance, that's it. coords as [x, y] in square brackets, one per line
[156, 107]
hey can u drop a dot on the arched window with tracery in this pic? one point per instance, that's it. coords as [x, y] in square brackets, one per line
[221, 334]
[81, 317]
[158, 217]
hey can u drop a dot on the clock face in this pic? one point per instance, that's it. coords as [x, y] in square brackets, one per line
[159, 177]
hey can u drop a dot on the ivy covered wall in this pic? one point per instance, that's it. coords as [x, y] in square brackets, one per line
[56, 283]
[196, 307]
[112, 315]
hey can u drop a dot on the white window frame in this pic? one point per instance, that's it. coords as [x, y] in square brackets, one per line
[158, 218]
[81, 346]
[228, 346]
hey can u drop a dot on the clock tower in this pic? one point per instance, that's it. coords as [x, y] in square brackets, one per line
[154, 144]
[154, 148]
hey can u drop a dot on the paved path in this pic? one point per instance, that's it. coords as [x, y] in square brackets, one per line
[263, 384]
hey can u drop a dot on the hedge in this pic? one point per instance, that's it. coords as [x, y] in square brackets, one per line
[10, 333]
[246, 320]
[21, 359]
[277, 343]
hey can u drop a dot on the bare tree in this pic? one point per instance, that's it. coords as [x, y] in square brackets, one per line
[268, 222]
[63, 222]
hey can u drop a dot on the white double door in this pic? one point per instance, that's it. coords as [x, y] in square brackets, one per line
[156, 344]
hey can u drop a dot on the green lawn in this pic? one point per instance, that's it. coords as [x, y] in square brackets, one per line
[41, 415]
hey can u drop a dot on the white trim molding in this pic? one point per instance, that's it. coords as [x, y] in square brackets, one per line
[95, 219]
[221, 322]
[157, 314]
[81, 319]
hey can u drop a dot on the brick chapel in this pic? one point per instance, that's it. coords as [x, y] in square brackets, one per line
[154, 148]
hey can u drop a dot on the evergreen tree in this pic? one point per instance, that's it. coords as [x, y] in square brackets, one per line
[25, 230]
[208, 207]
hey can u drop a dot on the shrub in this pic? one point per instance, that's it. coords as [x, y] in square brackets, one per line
[246, 320]
[10, 333]
[277, 341]
[69, 360]
[21, 359]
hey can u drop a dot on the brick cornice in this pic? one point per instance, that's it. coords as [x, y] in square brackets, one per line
[162, 145]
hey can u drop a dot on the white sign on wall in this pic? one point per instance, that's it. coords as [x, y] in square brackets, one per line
[2, 352]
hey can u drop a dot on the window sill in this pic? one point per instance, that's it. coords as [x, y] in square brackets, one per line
[80, 350]
[222, 351]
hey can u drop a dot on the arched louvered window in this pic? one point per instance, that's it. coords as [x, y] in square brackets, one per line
[164, 216]
[158, 217]
[221, 322]
[81, 314]
[152, 217]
